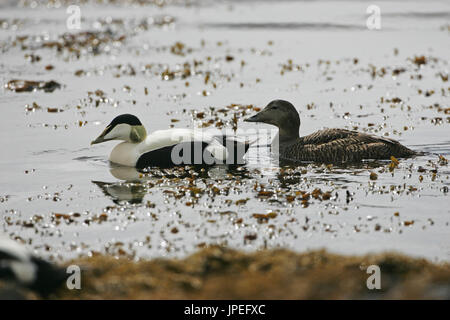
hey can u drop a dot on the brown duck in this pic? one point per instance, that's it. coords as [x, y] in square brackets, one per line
[328, 145]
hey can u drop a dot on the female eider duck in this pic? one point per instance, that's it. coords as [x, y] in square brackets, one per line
[165, 148]
[328, 145]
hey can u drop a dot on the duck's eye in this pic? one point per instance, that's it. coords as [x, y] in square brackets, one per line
[275, 107]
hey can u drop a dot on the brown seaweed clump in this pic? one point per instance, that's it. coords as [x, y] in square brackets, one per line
[221, 273]
[92, 41]
[28, 86]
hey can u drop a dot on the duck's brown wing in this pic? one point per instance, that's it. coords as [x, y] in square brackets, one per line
[339, 145]
[327, 135]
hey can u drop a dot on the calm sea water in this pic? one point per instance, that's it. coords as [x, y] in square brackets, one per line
[63, 198]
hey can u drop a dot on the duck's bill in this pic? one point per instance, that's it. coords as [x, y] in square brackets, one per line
[101, 138]
[98, 140]
[255, 118]
[261, 116]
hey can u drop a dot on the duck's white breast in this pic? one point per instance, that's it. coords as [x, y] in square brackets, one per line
[125, 154]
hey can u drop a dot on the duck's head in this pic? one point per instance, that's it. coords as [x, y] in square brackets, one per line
[125, 127]
[282, 114]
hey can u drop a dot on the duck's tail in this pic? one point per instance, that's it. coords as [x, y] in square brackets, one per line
[236, 149]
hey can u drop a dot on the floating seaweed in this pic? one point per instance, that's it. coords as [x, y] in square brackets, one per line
[28, 86]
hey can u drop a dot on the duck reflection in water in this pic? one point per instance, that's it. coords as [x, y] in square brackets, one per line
[131, 189]
[135, 184]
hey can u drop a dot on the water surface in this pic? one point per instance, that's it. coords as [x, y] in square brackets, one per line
[63, 198]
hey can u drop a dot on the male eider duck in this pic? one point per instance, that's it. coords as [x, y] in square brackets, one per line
[20, 267]
[167, 148]
[328, 145]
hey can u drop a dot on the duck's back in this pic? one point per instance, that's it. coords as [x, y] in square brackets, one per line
[340, 145]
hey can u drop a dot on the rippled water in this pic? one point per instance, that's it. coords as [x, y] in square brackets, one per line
[63, 198]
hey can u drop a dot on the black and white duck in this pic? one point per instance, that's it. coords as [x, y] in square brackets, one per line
[169, 147]
[21, 268]
[328, 145]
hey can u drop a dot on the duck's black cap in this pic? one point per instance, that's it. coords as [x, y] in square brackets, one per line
[125, 118]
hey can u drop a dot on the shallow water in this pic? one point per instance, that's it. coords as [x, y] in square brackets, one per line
[63, 198]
